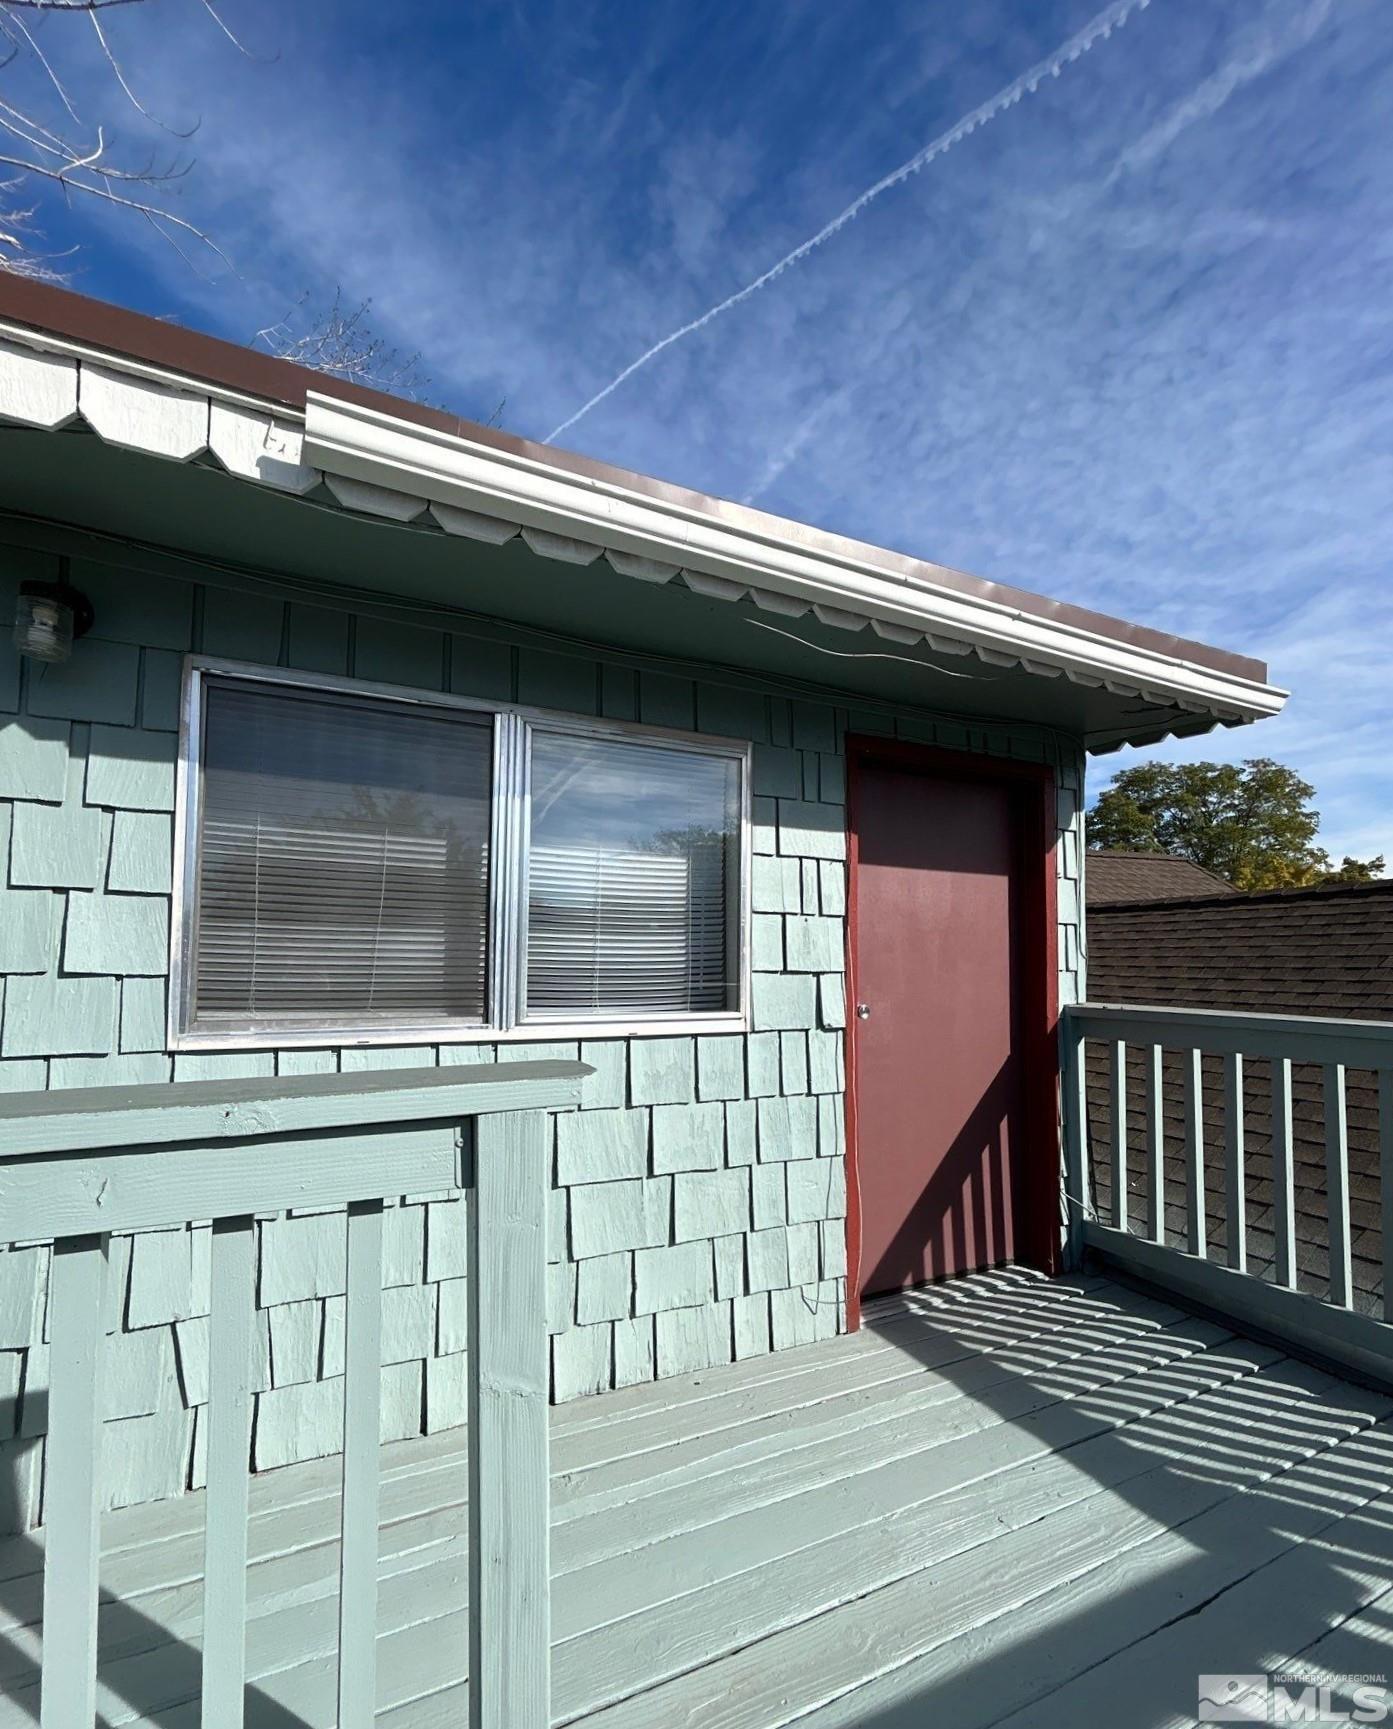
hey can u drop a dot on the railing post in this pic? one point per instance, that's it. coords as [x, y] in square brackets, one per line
[362, 1406]
[72, 1476]
[509, 1540]
[232, 1311]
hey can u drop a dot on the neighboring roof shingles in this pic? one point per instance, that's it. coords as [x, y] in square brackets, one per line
[1114, 878]
[1326, 951]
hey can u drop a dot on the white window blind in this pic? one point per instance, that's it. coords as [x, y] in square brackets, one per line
[633, 879]
[342, 862]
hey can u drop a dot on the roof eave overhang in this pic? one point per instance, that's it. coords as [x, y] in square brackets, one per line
[380, 463]
[657, 538]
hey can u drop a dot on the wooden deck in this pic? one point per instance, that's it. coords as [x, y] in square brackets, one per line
[1006, 1500]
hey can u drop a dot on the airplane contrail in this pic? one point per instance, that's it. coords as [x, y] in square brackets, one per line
[1109, 19]
[1261, 49]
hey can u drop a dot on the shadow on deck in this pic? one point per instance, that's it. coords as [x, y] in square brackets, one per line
[1006, 1500]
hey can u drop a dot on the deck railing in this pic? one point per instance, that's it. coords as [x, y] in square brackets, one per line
[1180, 1144]
[77, 1166]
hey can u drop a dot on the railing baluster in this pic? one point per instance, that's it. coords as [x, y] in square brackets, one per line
[1117, 1093]
[232, 1305]
[1078, 1149]
[362, 1397]
[509, 1536]
[1385, 1168]
[1337, 1185]
[72, 1505]
[1196, 1233]
[1235, 1196]
[1283, 1187]
[1156, 1143]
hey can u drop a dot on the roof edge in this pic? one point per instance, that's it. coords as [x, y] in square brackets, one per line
[838, 577]
[1236, 898]
[369, 435]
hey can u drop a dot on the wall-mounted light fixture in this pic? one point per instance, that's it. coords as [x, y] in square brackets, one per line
[50, 616]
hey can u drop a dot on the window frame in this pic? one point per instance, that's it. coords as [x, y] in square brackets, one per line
[513, 726]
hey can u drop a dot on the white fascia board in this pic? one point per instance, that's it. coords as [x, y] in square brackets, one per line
[47, 342]
[343, 438]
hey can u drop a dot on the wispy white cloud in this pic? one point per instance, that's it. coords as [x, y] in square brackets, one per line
[787, 453]
[1265, 43]
[1097, 29]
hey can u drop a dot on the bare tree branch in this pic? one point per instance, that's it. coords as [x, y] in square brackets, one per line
[15, 23]
[130, 94]
[38, 148]
[47, 151]
[29, 131]
[160, 219]
[341, 341]
[232, 37]
[16, 237]
[67, 5]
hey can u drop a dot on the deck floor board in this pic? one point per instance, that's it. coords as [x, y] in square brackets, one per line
[1007, 1500]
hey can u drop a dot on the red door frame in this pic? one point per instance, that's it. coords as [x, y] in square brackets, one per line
[1034, 785]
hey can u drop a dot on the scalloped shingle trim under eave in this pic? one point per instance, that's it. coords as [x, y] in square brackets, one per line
[136, 406]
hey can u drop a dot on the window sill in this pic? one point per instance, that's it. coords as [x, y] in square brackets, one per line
[529, 1033]
[659, 1026]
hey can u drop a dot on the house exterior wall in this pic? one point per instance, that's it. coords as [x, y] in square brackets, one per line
[698, 1208]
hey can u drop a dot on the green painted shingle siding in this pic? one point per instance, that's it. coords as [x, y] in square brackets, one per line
[662, 1072]
[783, 1000]
[131, 770]
[604, 1288]
[99, 685]
[607, 1217]
[688, 1137]
[720, 1068]
[710, 1203]
[57, 846]
[693, 1338]
[50, 1015]
[672, 1278]
[27, 921]
[597, 1146]
[34, 758]
[114, 934]
[142, 853]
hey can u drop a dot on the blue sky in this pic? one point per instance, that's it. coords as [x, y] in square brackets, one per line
[1128, 343]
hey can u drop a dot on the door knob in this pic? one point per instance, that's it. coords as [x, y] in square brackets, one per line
[863, 1011]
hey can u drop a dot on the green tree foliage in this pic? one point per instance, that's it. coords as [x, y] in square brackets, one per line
[1250, 823]
[1354, 870]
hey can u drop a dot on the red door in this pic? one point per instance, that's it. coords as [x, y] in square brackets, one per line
[937, 1049]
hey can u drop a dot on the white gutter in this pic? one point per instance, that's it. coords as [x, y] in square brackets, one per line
[378, 463]
[365, 445]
